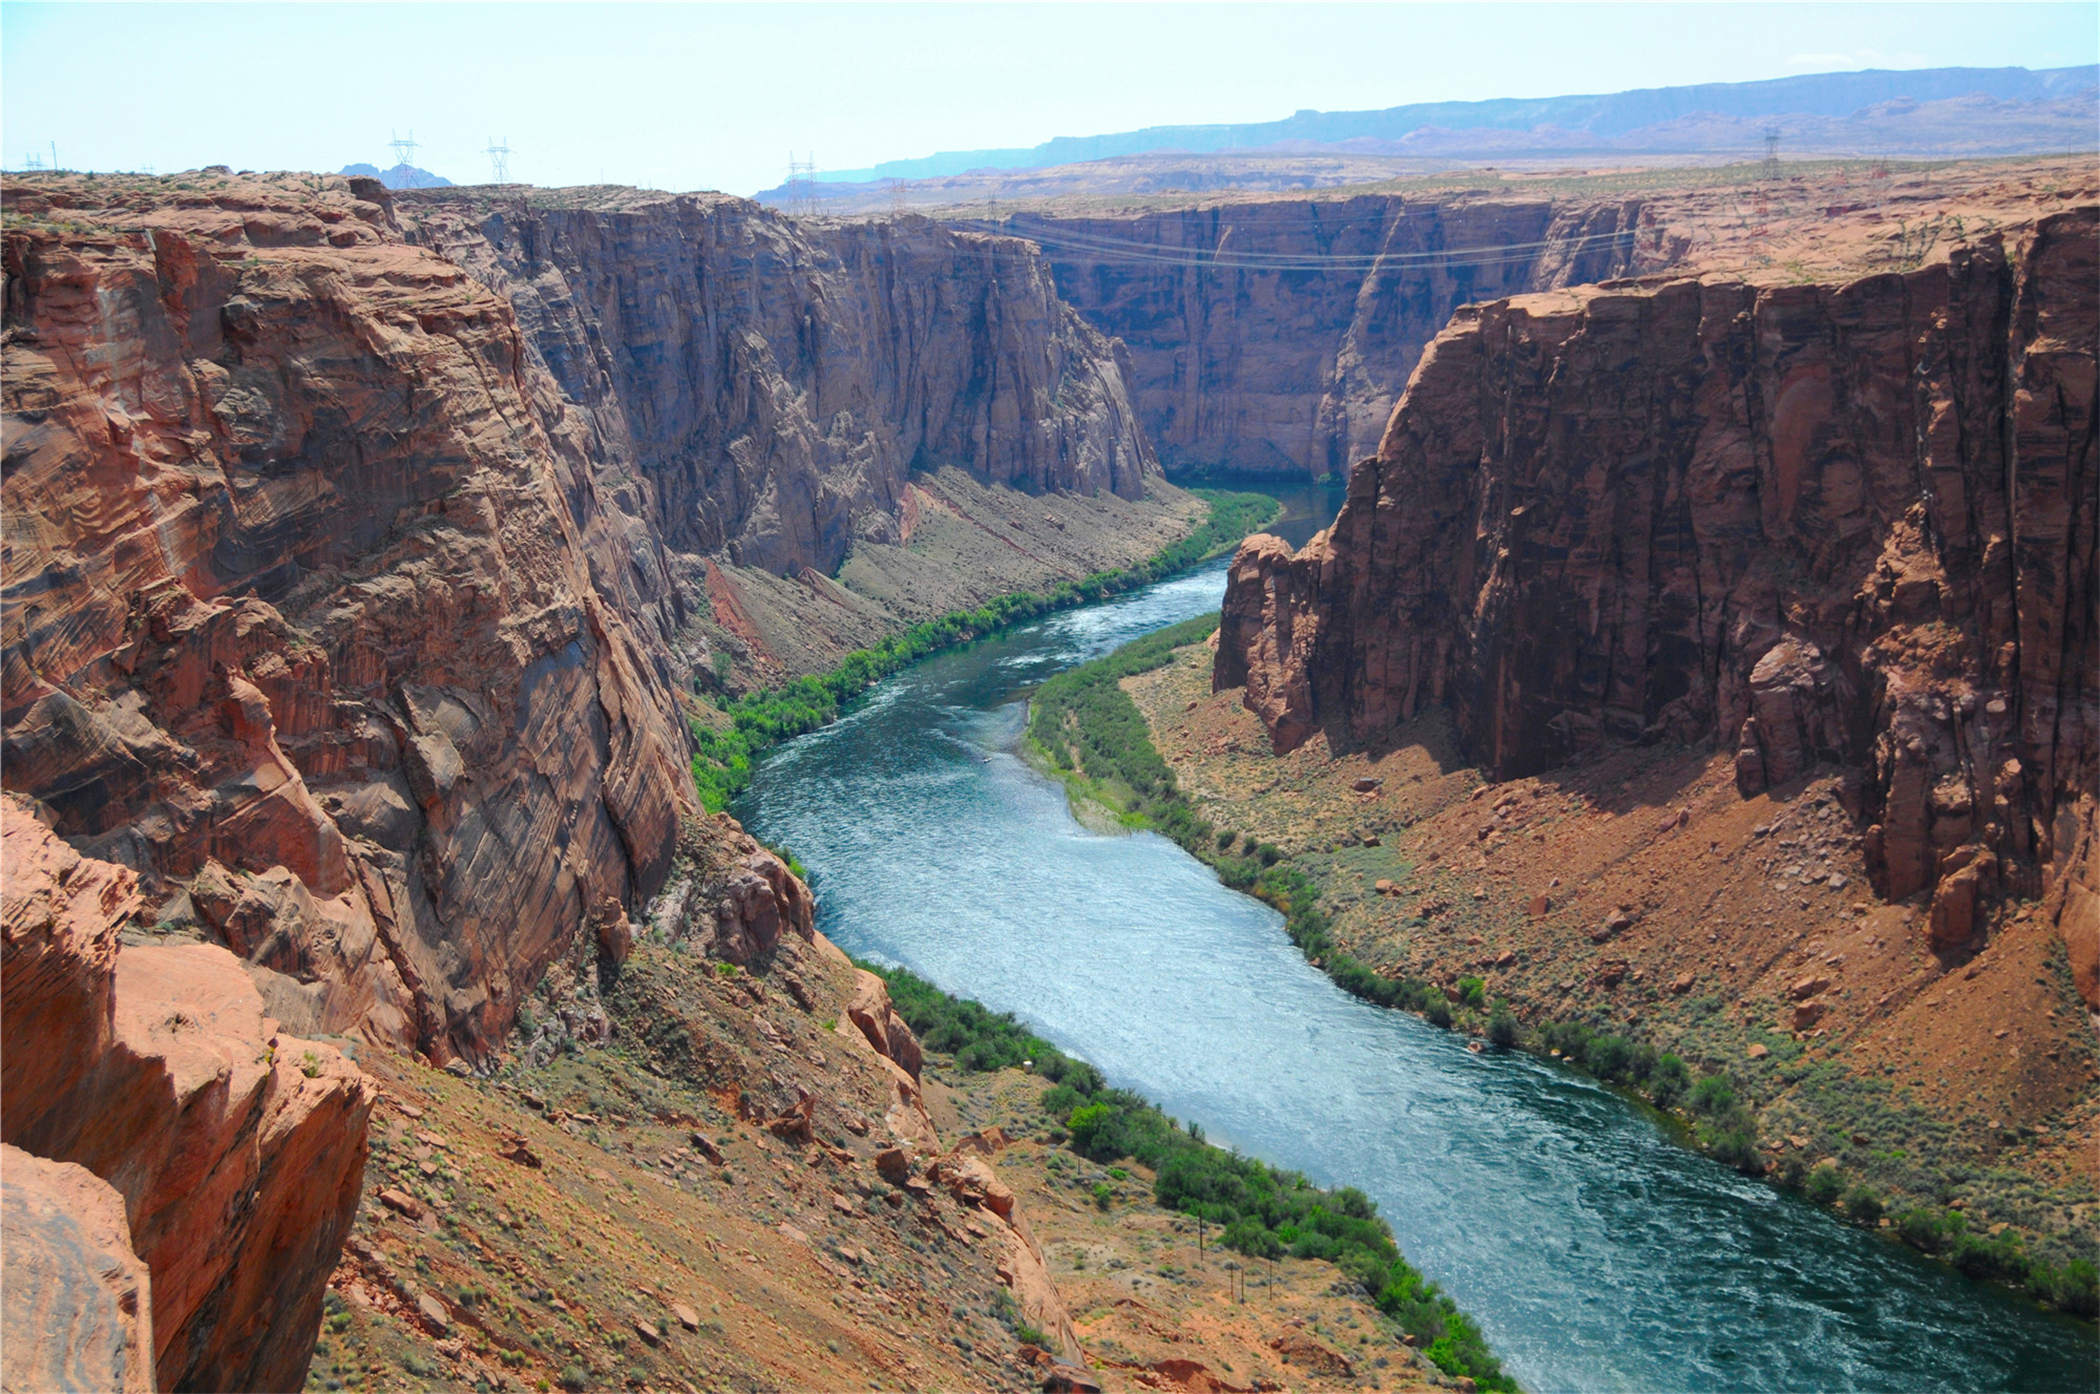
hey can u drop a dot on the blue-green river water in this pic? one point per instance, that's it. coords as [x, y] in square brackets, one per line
[1594, 1252]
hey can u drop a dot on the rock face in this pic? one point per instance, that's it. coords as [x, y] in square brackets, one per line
[1272, 336]
[302, 622]
[79, 1311]
[1850, 523]
[729, 896]
[237, 1151]
[348, 598]
[770, 384]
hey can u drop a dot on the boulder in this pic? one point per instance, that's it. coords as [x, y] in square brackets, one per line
[239, 1151]
[880, 1026]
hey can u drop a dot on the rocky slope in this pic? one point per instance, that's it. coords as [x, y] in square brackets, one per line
[1848, 524]
[233, 1154]
[733, 1109]
[1272, 336]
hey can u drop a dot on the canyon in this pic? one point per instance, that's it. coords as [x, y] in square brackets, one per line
[1710, 658]
[369, 555]
[362, 562]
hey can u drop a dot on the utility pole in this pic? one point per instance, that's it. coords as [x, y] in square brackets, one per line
[802, 184]
[405, 156]
[499, 153]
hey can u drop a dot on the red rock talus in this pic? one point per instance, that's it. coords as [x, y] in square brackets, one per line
[1851, 523]
[237, 1151]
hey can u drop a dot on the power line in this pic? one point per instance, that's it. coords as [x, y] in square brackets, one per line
[499, 153]
[802, 184]
[405, 154]
[1118, 250]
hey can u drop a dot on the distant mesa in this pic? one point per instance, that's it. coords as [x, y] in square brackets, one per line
[1926, 113]
[401, 176]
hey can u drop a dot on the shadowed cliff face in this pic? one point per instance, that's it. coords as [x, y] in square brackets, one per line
[1815, 523]
[1289, 361]
[342, 592]
[772, 383]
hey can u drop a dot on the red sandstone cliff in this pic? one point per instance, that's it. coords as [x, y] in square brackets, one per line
[1273, 335]
[301, 619]
[770, 383]
[345, 593]
[233, 1154]
[1848, 523]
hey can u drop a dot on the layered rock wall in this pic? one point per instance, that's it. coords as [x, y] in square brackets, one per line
[1848, 523]
[774, 383]
[302, 623]
[351, 562]
[1272, 336]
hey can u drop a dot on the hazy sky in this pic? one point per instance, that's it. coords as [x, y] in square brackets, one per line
[716, 96]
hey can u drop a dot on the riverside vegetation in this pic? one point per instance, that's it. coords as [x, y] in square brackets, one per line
[1258, 1210]
[757, 721]
[1084, 728]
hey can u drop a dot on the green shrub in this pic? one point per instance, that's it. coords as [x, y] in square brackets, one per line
[1472, 991]
[1502, 1027]
[1824, 1185]
[1734, 1143]
[574, 1377]
[1923, 1227]
[1996, 1256]
[1438, 1011]
[1713, 1095]
[1608, 1057]
[1669, 1080]
[1863, 1204]
[2074, 1287]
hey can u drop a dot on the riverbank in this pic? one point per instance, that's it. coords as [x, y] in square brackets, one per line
[727, 737]
[1411, 887]
[1314, 1290]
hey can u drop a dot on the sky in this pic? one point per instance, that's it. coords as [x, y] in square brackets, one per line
[688, 96]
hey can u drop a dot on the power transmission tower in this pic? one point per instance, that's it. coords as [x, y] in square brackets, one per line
[32, 162]
[405, 156]
[499, 153]
[896, 188]
[802, 184]
[1770, 171]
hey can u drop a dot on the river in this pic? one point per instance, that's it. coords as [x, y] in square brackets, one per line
[1594, 1252]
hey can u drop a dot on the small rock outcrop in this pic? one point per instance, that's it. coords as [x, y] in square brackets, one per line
[79, 1308]
[1829, 523]
[237, 1151]
[729, 896]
